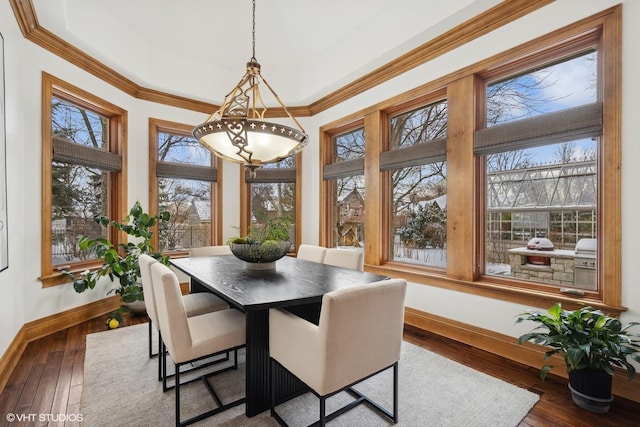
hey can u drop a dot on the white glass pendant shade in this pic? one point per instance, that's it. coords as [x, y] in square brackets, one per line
[250, 142]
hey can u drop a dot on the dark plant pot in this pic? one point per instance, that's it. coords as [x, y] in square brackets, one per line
[258, 253]
[591, 390]
[137, 307]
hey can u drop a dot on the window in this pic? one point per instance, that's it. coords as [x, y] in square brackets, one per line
[183, 177]
[417, 142]
[540, 150]
[345, 177]
[527, 147]
[83, 172]
[273, 194]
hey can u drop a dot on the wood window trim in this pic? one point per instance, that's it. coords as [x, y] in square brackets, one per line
[155, 127]
[464, 262]
[53, 86]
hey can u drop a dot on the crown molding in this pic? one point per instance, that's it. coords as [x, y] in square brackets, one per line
[501, 14]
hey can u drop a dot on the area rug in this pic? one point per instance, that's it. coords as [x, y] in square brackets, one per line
[121, 388]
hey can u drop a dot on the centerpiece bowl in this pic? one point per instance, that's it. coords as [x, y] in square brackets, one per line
[260, 255]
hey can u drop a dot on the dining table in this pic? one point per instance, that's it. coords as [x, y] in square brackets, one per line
[295, 285]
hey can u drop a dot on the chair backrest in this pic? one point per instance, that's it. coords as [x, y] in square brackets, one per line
[171, 312]
[347, 258]
[210, 251]
[362, 327]
[311, 252]
[145, 262]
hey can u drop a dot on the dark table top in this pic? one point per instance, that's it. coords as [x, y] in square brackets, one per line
[293, 282]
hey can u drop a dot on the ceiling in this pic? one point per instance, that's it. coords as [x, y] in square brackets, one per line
[199, 48]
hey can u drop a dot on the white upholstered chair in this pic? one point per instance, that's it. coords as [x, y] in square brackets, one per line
[210, 251]
[195, 304]
[359, 335]
[311, 252]
[347, 258]
[189, 339]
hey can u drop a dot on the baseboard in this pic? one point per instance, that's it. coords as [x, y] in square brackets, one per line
[507, 346]
[11, 356]
[39, 328]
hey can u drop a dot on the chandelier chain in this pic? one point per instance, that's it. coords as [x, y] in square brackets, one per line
[253, 32]
[238, 132]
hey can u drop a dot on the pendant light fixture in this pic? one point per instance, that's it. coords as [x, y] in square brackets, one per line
[238, 132]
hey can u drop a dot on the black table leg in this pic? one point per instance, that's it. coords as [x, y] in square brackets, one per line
[196, 286]
[258, 379]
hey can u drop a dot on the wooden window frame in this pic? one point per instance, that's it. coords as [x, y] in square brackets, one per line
[55, 87]
[465, 174]
[157, 126]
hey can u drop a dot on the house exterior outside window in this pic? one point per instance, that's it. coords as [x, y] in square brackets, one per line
[344, 176]
[184, 182]
[273, 193]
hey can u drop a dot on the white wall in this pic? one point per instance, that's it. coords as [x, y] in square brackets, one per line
[23, 298]
[11, 279]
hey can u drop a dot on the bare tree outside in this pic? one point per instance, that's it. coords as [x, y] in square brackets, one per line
[79, 191]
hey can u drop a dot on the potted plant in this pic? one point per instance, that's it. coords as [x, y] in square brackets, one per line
[264, 244]
[592, 344]
[120, 263]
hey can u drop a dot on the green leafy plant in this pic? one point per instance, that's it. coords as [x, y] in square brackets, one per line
[120, 263]
[268, 228]
[587, 338]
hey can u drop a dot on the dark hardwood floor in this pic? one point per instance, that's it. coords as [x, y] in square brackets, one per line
[48, 380]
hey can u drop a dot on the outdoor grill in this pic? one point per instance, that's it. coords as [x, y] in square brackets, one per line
[585, 264]
[539, 244]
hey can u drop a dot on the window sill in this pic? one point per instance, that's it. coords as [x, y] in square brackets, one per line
[53, 280]
[536, 296]
[58, 278]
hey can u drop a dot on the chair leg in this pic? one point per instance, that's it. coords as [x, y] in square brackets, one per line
[323, 419]
[163, 356]
[150, 343]
[359, 399]
[177, 376]
[162, 365]
[220, 406]
[395, 393]
[159, 356]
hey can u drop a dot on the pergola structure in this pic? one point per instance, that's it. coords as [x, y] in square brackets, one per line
[555, 201]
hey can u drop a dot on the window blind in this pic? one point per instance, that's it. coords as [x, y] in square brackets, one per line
[551, 128]
[185, 171]
[67, 151]
[344, 169]
[267, 175]
[414, 155]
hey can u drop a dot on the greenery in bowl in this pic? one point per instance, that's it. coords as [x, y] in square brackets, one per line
[587, 338]
[120, 263]
[267, 242]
